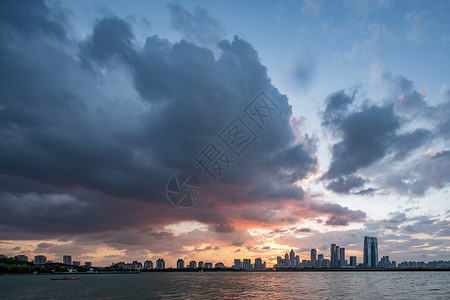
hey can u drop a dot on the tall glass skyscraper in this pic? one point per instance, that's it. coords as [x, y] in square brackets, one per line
[370, 251]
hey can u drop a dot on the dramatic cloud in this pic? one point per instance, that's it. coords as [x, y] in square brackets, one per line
[377, 143]
[198, 27]
[104, 123]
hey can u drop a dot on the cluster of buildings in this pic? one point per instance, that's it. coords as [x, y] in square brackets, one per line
[161, 265]
[290, 261]
[148, 265]
[200, 265]
[42, 260]
[337, 258]
[246, 264]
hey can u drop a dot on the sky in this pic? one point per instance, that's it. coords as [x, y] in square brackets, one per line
[302, 123]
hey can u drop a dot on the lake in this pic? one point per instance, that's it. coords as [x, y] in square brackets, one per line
[232, 285]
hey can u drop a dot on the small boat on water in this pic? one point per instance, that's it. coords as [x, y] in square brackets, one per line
[66, 278]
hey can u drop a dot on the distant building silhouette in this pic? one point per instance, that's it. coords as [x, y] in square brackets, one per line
[313, 254]
[370, 251]
[237, 264]
[201, 265]
[258, 264]
[160, 264]
[88, 264]
[247, 264]
[180, 264]
[333, 255]
[67, 260]
[21, 257]
[148, 264]
[341, 257]
[352, 261]
[40, 260]
[320, 257]
[208, 265]
[385, 262]
[192, 264]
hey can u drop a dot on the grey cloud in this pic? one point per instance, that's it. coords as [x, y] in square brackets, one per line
[366, 138]
[338, 215]
[336, 107]
[404, 143]
[198, 27]
[374, 134]
[30, 18]
[368, 191]
[110, 136]
[222, 228]
[343, 184]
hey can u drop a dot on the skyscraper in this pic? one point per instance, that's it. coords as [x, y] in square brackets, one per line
[370, 251]
[337, 262]
[247, 264]
[148, 264]
[237, 264]
[180, 264]
[160, 263]
[192, 264]
[292, 255]
[313, 254]
[40, 259]
[385, 262]
[333, 255]
[342, 257]
[258, 264]
[352, 261]
[67, 260]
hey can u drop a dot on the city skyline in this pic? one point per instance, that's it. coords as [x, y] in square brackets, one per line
[337, 259]
[223, 129]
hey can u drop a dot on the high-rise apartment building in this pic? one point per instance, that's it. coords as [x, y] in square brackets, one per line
[192, 264]
[370, 251]
[258, 264]
[160, 264]
[21, 257]
[333, 255]
[313, 254]
[247, 264]
[352, 261]
[67, 260]
[180, 264]
[148, 264]
[341, 257]
[385, 262]
[237, 264]
[40, 260]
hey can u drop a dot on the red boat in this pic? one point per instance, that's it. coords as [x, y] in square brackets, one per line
[66, 278]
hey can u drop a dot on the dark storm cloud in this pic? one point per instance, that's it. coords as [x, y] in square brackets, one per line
[198, 27]
[92, 130]
[336, 107]
[381, 134]
[338, 215]
[28, 18]
[343, 184]
[222, 228]
[366, 138]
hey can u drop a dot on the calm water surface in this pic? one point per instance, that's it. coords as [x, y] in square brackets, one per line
[230, 285]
